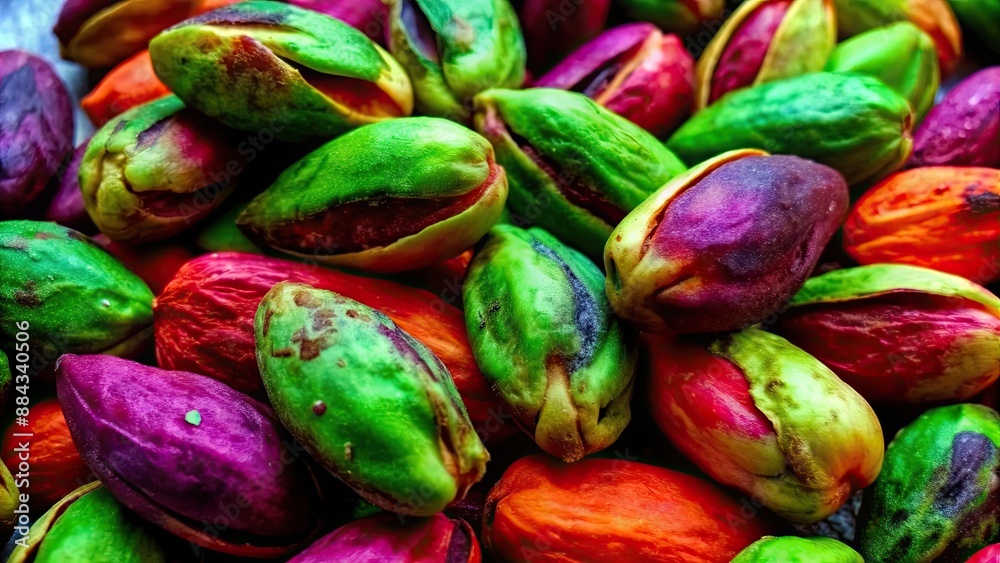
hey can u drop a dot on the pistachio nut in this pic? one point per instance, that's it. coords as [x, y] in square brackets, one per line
[389, 197]
[271, 66]
[577, 26]
[454, 49]
[678, 16]
[792, 549]
[360, 394]
[899, 333]
[546, 339]
[575, 169]
[693, 257]
[762, 41]
[129, 84]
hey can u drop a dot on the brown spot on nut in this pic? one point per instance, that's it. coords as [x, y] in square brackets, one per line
[305, 298]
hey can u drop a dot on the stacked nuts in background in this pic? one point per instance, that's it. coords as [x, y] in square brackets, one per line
[506, 280]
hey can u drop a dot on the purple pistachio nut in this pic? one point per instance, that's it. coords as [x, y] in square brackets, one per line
[155, 170]
[387, 537]
[66, 207]
[36, 128]
[368, 16]
[964, 129]
[635, 71]
[191, 455]
[724, 245]
[553, 28]
[766, 40]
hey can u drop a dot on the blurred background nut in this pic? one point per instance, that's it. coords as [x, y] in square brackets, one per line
[678, 16]
[129, 84]
[553, 28]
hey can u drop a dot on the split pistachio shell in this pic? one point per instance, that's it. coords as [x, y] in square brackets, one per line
[269, 66]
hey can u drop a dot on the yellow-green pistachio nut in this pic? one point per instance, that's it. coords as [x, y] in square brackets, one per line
[545, 337]
[765, 40]
[852, 123]
[372, 404]
[389, 197]
[575, 168]
[89, 525]
[454, 49]
[900, 55]
[156, 170]
[64, 293]
[9, 503]
[792, 549]
[269, 66]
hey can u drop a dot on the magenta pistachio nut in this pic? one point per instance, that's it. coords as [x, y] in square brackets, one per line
[155, 170]
[387, 537]
[553, 28]
[635, 71]
[36, 128]
[191, 455]
[964, 129]
[368, 16]
[724, 245]
[66, 207]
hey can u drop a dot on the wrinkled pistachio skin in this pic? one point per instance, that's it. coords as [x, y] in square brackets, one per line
[135, 430]
[475, 46]
[236, 65]
[937, 498]
[800, 44]
[982, 17]
[900, 55]
[791, 549]
[676, 264]
[36, 128]
[160, 149]
[360, 395]
[91, 527]
[387, 163]
[544, 336]
[757, 413]
[963, 129]
[616, 159]
[854, 124]
[75, 296]
[677, 16]
[387, 537]
[9, 500]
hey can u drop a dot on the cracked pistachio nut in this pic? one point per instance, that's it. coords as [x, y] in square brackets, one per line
[575, 168]
[763, 41]
[897, 333]
[181, 449]
[270, 66]
[693, 257]
[360, 394]
[389, 197]
[546, 339]
[70, 293]
[900, 55]
[852, 123]
[454, 49]
[152, 172]
[89, 524]
[756, 413]
[634, 70]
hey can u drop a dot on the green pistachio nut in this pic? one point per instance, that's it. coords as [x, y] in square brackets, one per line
[543, 334]
[290, 72]
[937, 498]
[373, 405]
[68, 295]
[454, 49]
[389, 197]
[575, 168]
[792, 549]
[5, 379]
[222, 235]
[89, 525]
[900, 55]
[155, 170]
[9, 501]
[852, 123]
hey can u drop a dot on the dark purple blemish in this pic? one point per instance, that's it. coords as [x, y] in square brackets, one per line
[28, 296]
[322, 319]
[18, 91]
[587, 314]
[981, 203]
[149, 135]
[239, 15]
[419, 30]
[459, 545]
[970, 453]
